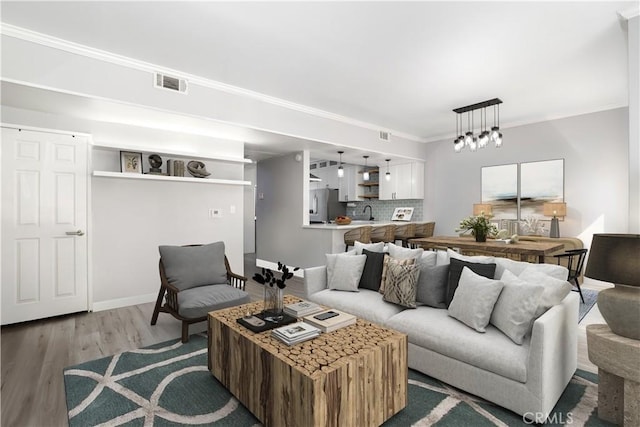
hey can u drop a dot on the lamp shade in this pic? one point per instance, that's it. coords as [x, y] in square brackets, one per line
[615, 258]
[482, 208]
[554, 209]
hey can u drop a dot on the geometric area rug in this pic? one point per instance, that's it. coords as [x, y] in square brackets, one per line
[169, 384]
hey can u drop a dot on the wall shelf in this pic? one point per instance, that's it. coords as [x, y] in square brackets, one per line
[164, 152]
[369, 184]
[121, 175]
[369, 196]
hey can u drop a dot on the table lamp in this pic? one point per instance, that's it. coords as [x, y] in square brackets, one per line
[554, 209]
[482, 209]
[615, 258]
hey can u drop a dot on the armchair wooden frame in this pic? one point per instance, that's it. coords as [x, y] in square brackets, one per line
[171, 305]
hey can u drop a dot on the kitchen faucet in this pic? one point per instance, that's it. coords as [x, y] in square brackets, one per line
[370, 212]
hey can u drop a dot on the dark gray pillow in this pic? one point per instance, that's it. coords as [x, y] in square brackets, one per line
[455, 270]
[432, 285]
[372, 273]
[190, 266]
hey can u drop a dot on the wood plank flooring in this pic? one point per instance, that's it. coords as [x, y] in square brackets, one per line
[34, 354]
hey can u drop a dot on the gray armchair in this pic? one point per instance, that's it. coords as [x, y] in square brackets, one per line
[196, 279]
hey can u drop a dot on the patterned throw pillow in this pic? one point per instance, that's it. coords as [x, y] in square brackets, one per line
[385, 266]
[402, 282]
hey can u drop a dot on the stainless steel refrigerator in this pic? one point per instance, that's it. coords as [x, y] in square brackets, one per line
[324, 205]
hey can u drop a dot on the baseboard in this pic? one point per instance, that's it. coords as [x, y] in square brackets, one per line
[124, 302]
[274, 266]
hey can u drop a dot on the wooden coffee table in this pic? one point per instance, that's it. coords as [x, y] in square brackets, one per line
[355, 376]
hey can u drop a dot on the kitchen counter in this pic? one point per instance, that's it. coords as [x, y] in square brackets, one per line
[334, 233]
[354, 224]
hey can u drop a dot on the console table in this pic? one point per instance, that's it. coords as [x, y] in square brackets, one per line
[618, 361]
[355, 376]
[523, 249]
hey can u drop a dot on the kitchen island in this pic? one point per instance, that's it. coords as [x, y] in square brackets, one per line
[335, 243]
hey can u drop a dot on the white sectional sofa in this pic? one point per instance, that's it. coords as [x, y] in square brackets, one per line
[527, 379]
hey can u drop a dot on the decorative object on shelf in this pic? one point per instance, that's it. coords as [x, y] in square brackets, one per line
[273, 290]
[155, 161]
[197, 169]
[387, 175]
[402, 214]
[481, 141]
[479, 226]
[175, 168]
[365, 174]
[555, 210]
[130, 162]
[614, 258]
[340, 168]
[482, 209]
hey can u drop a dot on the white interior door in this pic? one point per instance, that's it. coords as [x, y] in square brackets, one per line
[44, 221]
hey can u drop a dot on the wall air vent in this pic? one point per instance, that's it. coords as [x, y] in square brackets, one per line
[175, 84]
[385, 136]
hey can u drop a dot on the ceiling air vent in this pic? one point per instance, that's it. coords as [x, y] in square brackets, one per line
[385, 136]
[174, 84]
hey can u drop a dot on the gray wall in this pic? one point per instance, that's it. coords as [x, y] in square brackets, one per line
[634, 124]
[596, 152]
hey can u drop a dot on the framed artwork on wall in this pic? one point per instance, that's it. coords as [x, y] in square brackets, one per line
[130, 162]
[540, 182]
[500, 189]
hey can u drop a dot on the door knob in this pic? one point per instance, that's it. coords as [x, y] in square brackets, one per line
[75, 233]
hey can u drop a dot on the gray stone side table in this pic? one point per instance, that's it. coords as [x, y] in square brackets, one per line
[618, 361]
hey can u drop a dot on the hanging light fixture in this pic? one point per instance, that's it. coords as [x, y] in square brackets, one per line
[387, 175]
[483, 139]
[365, 175]
[340, 168]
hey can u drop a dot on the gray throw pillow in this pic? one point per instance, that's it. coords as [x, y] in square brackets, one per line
[372, 273]
[401, 284]
[516, 307]
[190, 266]
[432, 285]
[347, 272]
[455, 270]
[474, 299]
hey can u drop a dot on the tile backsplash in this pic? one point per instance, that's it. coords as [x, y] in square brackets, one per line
[383, 209]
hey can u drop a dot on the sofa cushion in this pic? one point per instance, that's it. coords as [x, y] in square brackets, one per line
[555, 290]
[479, 259]
[432, 285]
[347, 272]
[493, 351]
[191, 266]
[372, 273]
[331, 261]
[399, 252]
[373, 247]
[366, 304]
[197, 302]
[455, 270]
[385, 265]
[514, 311]
[474, 299]
[517, 267]
[401, 283]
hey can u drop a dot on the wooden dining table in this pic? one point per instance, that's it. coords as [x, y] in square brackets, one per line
[491, 246]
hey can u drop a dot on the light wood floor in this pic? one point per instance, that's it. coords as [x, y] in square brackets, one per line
[34, 354]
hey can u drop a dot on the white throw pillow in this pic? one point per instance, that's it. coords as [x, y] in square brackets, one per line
[372, 247]
[347, 272]
[515, 309]
[481, 259]
[398, 252]
[555, 290]
[331, 261]
[428, 259]
[474, 299]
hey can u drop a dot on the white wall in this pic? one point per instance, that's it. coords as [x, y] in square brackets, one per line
[250, 174]
[596, 152]
[633, 39]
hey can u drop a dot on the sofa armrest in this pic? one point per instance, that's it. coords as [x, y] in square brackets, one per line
[315, 280]
[553, 354]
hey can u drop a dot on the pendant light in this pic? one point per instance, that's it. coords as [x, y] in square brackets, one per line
[484, 137]
[458, 142]
[365, 175]
[387, 175]
[340, 168]
[496, 136]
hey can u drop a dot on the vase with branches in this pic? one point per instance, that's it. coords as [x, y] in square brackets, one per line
[273, 290]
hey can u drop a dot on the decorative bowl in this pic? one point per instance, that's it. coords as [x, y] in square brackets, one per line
[343, 220]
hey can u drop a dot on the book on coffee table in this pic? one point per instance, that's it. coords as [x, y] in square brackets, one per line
[302, 308]
[330, 320]
[295, 333]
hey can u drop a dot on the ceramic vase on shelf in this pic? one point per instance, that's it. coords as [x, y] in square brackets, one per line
[273, 303]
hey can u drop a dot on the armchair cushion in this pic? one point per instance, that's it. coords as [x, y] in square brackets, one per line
[197, 302]
[187, 267]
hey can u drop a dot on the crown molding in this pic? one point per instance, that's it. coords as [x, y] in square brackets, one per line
[630, 13]
[101, 55]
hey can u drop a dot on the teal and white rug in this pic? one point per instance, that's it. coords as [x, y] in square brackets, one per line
[169, 384]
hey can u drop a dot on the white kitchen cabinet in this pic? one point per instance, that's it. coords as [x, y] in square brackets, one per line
[328, 175]
[348, 186]
[407, 182]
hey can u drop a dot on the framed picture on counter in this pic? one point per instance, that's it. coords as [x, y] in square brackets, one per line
[402, 214]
